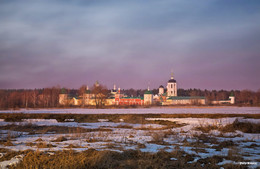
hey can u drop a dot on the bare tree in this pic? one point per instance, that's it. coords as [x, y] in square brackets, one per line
[46, 97]
[14, 100]
[55, 96]
[25, 95]
[258, 98]
[34, 97]
[100, 94]
[246, 97]
[194, 93]
[82, 91]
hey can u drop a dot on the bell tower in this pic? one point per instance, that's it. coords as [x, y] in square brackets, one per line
[172, 87]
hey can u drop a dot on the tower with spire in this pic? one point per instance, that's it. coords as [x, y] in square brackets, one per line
[172, 87]
[97, 84]
[113, 91]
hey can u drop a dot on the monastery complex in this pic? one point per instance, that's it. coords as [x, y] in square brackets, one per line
[166, 96]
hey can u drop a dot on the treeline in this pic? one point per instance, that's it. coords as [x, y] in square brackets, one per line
[49, 97]
[243, 97]
[24, 98]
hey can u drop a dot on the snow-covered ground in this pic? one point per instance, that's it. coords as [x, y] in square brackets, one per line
[13, 161]
[159, 110]
[145, 137]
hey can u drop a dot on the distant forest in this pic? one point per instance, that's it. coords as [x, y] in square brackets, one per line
[49, 97]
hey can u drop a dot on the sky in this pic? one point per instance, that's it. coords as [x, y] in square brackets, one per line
[208, 44]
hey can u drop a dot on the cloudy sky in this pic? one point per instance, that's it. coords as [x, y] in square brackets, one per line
[209, 44]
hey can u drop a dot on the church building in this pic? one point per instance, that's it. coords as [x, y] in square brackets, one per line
[172, 87]
[171, 97]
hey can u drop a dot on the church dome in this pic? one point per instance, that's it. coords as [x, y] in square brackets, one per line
[172, 81]
[148, 92]
[161, 86]
[63, 91]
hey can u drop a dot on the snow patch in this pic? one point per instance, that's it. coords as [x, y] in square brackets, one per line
[15, 160]
[226, 162]
[103, 120]
[69, 120]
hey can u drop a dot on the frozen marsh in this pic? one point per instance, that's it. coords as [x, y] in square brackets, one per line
[229, 139]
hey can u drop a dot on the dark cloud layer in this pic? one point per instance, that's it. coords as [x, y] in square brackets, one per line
[209, 44]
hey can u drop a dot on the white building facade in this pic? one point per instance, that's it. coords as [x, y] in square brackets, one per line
[172, 87]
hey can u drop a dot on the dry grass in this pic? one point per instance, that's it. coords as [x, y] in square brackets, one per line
[111, 145]
[196, 144]
[164, 125]
[131, 159]
[199, 150]
[73, 146]
[10, 154]
[206, 128]
[157, 138]
[150, 127]
[44, 145]
[60, 139]
[233, 154]
[128, 118]
[246, 127]
[140, 145]
[30, 144]
[8, 143]
[131, 136]
[4, 150]
[235, 166]
[125, 126]
[225, 144]
[167, 123]
[92, 140]
[39, 139]
[204, 138]
[34, 129]
[96, 136]
[211, 160]
[40, 145]
[253, 145]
